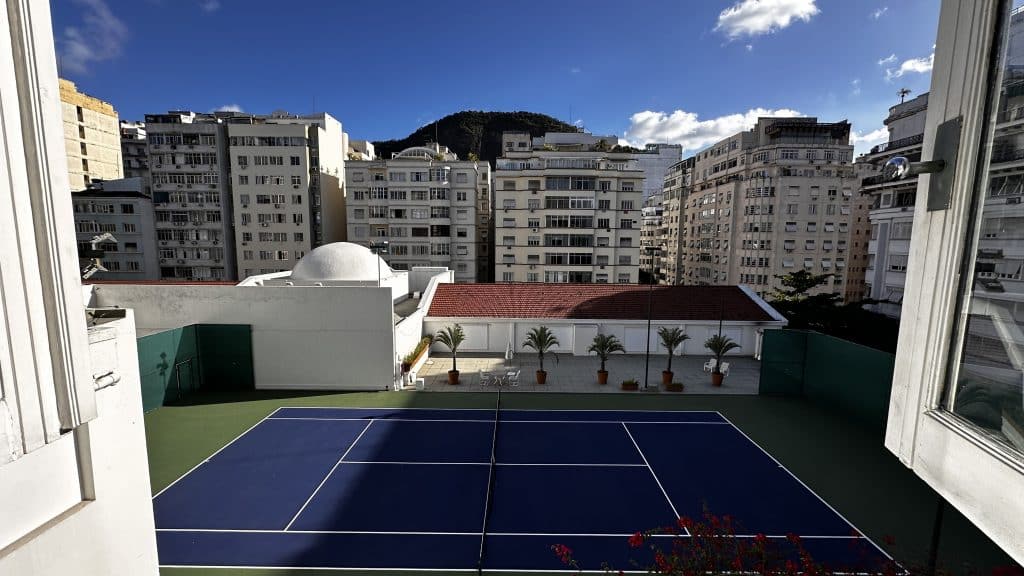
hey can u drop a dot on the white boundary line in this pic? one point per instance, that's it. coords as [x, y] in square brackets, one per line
[613, 422]
[551, 464]
[808, 488]
[218, 451]
[333, 468]
[413, 570]
[477, 534]
[506, 409]
[648, 465]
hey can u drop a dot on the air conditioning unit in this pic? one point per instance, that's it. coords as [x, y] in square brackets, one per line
[177, 166]
[277, 205]
[245, 205]
[245, 243]
[174, 146]
[216, 259]
[181, 261]
[182, 242]
[264, 224]
[298, 223]
[533, 192]
[194, 242]
[296, 186]
[157, 185]
[179, 185]
[213, 185]
[159, 165]
[162, 260]
[535, 229]
[216, 242]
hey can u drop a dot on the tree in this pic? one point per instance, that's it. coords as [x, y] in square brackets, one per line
[798, 284]
[719, 344]
[452, 337]
[603, 346]
[541, 339]
[671, 338]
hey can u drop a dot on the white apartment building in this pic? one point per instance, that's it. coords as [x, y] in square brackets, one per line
[892, 206]
[430, 207]
[122, 209]
[655, 161]
[675, 191]
[773, 200]
[566, 209]
[133, 151]
[653, 238]
[286, 180]
[91, 137]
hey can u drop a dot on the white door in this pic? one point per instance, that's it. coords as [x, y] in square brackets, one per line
[582, 338]
[956, 414]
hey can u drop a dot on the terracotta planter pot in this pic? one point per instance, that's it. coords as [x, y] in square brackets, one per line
[716, 378]
[453, 377]
[631, 386]
[666, 377]
[674, 387]
[602, 377]
[542, 376]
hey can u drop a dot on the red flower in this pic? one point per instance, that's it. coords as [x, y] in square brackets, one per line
[563, 552]
[684, 523]
[793, 538]
[761, 539]
[636, 540]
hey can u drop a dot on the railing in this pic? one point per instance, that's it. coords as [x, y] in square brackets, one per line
[901, 143]
[1008, 154]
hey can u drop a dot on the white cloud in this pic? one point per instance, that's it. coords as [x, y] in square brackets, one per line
[887, 60]
[209, 5]
[682, 127]
[229, 108]
[749, 47]
[862, 142]
[855, 87]
[98, 38]
[879, 12]
[756, 17]
[914, 65]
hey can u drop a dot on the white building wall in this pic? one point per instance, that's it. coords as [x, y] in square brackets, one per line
[302, 337]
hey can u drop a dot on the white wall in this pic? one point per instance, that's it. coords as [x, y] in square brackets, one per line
[491, 334]
[302, 337]
[113, 531]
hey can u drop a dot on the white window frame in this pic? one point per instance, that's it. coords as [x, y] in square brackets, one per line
[969, 470]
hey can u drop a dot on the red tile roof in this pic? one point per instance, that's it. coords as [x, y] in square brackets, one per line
[594, 302]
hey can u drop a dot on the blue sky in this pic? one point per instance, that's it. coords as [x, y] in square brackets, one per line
[688, 71]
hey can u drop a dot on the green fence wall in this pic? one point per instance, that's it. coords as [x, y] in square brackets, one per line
[830, 371]
[182, 361]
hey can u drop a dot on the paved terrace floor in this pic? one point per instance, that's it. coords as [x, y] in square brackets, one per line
[578, 374]
[842, 460]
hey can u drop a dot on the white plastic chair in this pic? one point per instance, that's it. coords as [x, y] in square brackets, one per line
[725, 368]
[709, 366]
[514, 378]
[486, 378]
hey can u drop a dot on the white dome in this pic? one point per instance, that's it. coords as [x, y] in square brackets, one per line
[340, 261]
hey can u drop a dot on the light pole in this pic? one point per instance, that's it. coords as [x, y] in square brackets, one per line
[379, 248]
[650, 250]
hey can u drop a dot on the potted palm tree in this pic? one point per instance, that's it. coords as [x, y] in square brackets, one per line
[604, 345]
[542, 340]
[719, 345]
[671, 338]
[452, 337]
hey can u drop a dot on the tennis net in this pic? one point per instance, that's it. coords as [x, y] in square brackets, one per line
[490, 485]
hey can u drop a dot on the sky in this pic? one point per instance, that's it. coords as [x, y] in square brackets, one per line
[684, 71]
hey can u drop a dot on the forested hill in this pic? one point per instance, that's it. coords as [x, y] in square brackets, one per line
[472, 132]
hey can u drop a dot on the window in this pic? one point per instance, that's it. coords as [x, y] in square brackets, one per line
[623, 278]
[460, 196]
[508, 276]
[626, 224]
[296, 161]
[898, 262]
[626, 205]
[296, 180]
[127, 227]
[792, 209]
[900, 230]
[812, 209]
[508, 203]
[298, 236]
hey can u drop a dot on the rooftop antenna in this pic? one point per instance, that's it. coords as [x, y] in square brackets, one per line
[903, 94]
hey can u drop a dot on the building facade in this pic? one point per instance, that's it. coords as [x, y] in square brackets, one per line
[655, 161]
[892, 206]
[653, 238]
[286, 179]
[567, 209]
[431, 208]
[188, 161]
[119, 207]
[134, 157]
[675, 191]
[91, 137]
[771, 201]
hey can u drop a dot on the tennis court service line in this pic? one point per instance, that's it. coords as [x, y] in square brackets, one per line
[648, 464]
[324, 481]
[491, 421]
[549, 464]
[504, 534]
[219, 450]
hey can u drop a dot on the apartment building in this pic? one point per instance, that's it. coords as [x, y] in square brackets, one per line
[120, 208]
[675, 191]
[653, 238]
[287, 187]
[567, 209]
[892, 206]
[430, 207]
[91, 137]
[134, 157]
[655, 160]
[189, 176]
[773, 200]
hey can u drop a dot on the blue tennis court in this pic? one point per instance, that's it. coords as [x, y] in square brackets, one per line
[415, 489]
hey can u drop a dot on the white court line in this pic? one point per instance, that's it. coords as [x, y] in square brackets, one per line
[585, 464]
[509, 534]
[614, 422]
[808, 488]
[411, 570]
[506, 409]
[646, 463]
[324, 481]
[210, 457]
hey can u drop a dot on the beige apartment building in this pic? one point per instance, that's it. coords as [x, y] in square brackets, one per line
[187, 154]
[892, 205]
[566, 209]
[431, 209]
[653, 238]
[675, 191]
[287, 186]
[773, 200]
[91, 137]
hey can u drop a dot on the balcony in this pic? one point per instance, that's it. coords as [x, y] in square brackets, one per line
[901, 143]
